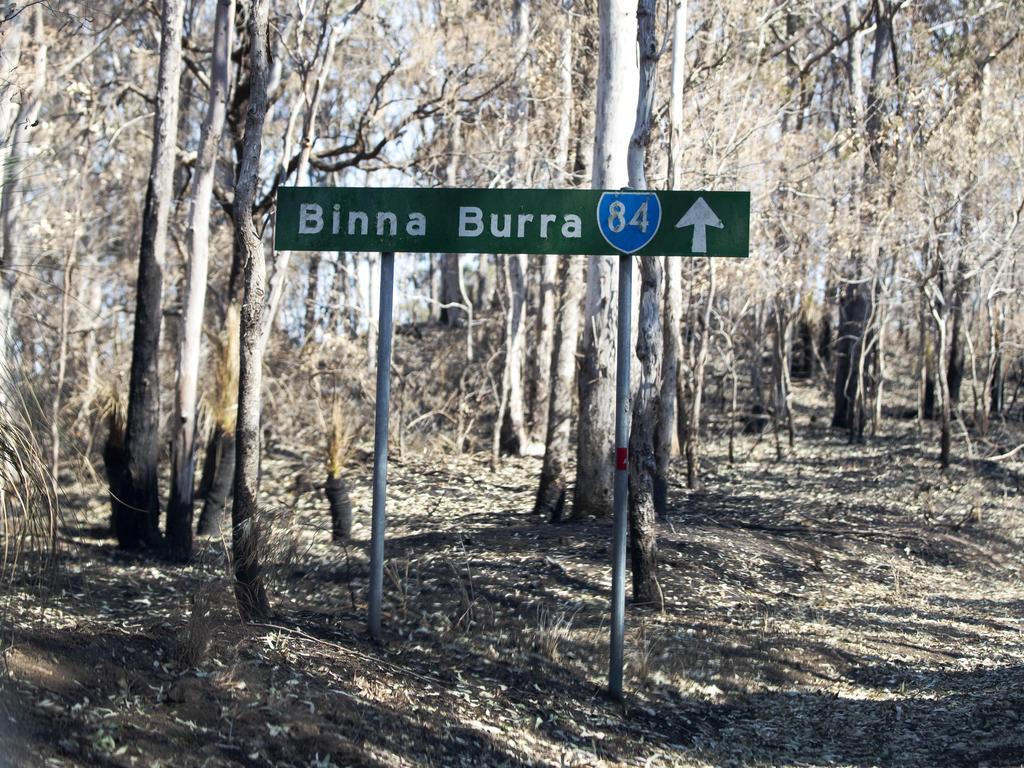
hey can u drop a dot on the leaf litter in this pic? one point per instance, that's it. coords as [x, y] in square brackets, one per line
[846, 605]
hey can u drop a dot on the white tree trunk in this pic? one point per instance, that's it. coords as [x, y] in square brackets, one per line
[183, 451]
[675, 103]
[20, 102]
[510, 424]
[617, 83]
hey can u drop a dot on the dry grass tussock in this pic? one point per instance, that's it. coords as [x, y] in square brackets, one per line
[194, 642]
[341, 437]
[30, 511]
[220, 406]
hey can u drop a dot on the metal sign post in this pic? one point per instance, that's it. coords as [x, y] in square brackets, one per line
[539, 221]
[385, 324]
[621, 498]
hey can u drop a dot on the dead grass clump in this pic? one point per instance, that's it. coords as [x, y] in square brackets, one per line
[194, 642]
[29, 506]
[341, 436]
[644, 653]
[223, 403]
[552, 630]
[279, 548]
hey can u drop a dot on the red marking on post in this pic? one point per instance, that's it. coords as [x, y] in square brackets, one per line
[621, 459]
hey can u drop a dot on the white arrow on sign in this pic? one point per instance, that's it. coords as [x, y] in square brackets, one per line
[700, 217]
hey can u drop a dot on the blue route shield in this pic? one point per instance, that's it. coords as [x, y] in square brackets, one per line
[628, 220]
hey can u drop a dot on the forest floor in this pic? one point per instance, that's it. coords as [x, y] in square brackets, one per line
[844, 605]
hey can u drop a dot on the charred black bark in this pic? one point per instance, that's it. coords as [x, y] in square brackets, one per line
[336, 490]
[181, 505]
[136, 516]
[929, 397]
[550, 501]
[825, 341]
[997, 387]
[209, 468]
[218, 496]
[854, 310]
[955, 370]
[802, 363]
[115, 466]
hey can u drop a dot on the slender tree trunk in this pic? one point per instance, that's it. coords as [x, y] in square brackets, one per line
[136, 516]
[854, 312]
[667, 436]
[246, 533]
[693, 478]
[452, 313]
[734, 396]
[544, 341]
[946, 421]
[65, 319]
[780, 369]
[510, 425]
[91, 352]
[643, 467]
[553, 477]
[548, 294]
[996, 375]
[856, 306]
[20, 103]
[220, 450]
[341, 298]
[643, 539]
[615, 116]
[183, 451]
[666, 444]
[955, 366]
[675, 105]
[754, 422]
[312, 294]
[311, 94]
[19, 109]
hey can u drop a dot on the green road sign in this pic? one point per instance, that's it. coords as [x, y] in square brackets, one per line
[557, 221]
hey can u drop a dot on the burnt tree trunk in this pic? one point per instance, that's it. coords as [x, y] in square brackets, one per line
[220, 466]
[955, 368]
[854, 311]
[554, 478]
[136, 515]
[336, 491]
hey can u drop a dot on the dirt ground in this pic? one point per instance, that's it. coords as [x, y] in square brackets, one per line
[845, 605]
